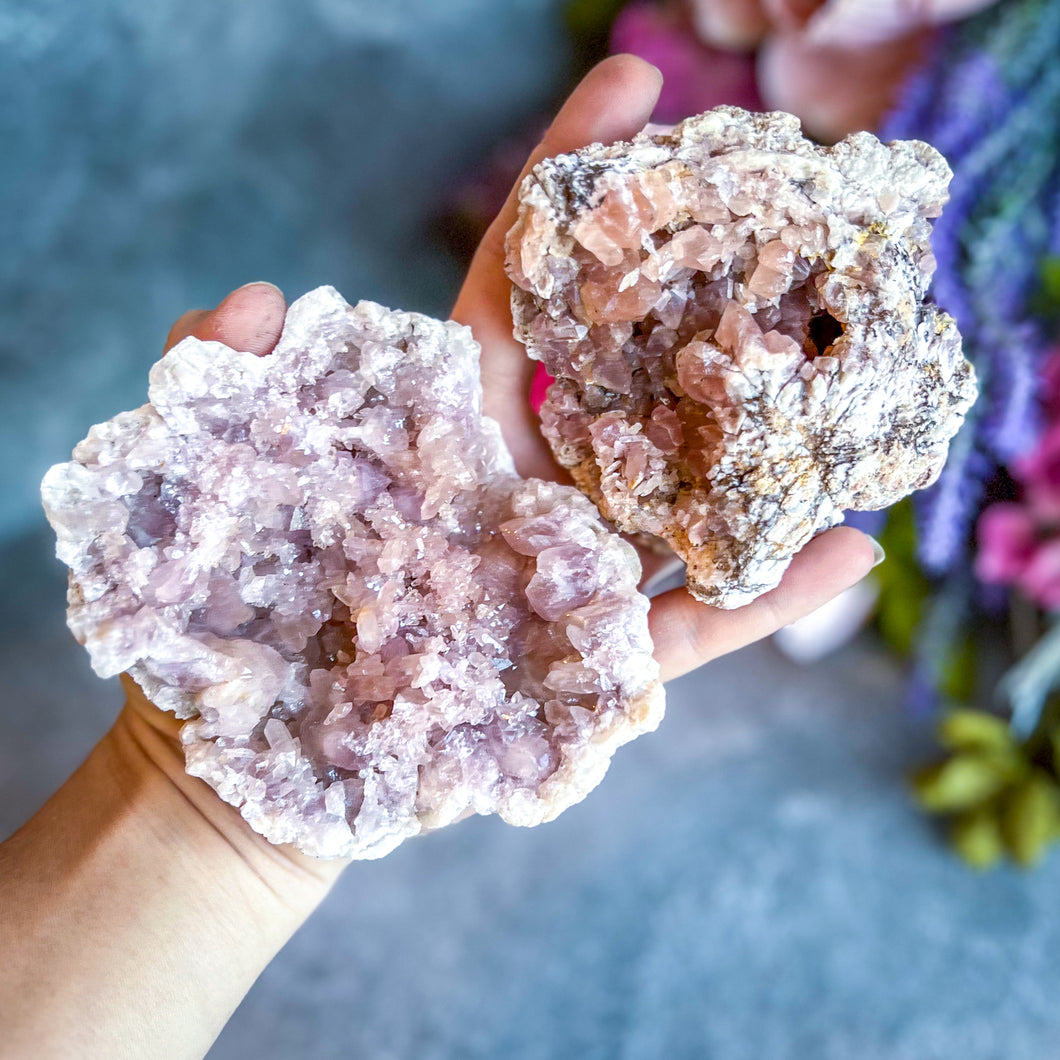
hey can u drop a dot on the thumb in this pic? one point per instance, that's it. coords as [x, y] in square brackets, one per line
[250, 319]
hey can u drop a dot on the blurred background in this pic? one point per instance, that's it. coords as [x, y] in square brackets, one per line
[756, 879]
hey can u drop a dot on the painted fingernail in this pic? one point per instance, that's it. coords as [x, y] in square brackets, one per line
[878, 555]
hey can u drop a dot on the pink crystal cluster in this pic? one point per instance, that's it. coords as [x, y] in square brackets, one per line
[735, 320]
[324, 561]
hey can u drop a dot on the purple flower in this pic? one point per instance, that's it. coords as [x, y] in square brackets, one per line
[946, 512]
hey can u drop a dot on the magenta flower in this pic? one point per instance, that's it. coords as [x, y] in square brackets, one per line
[1050, 376]
[1008, 539]
[1019, 541]
[696, 76]
[1041, 579]
[1039, 471]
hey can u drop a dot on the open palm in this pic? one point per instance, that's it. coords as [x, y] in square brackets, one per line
[613, 102]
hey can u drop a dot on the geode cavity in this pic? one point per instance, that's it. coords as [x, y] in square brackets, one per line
[324, 560]
[735, 320]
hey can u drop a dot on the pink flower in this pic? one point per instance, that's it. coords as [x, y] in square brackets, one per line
[696, 76]
[837, 64]
[1015, 549]
[1039, 471]
[1019, 543]
[836, 90]
[1041, 578]
[1051, 385]
[1008, 539]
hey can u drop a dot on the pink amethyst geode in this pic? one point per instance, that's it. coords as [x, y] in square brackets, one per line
[735, 320]
[324, 560]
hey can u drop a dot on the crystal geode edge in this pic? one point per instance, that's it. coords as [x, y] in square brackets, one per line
[736, 323]
[324, 562]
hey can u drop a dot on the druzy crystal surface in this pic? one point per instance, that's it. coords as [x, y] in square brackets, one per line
[324, 561]
[735, 321]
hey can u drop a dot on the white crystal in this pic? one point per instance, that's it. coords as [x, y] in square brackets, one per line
[736, 321]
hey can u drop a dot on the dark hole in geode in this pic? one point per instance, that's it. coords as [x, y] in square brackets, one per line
[823, 330]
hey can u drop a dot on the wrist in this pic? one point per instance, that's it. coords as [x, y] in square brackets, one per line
[135, 897]
[146, 745]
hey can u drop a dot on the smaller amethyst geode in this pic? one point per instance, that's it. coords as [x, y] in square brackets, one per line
[324, 560]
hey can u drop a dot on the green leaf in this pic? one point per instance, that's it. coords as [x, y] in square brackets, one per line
[974, 730]
[958, 672]
[1050, 278]
[903, 587]
[976, 836]
[899, 535]
[1030, 817]
[1054, 741]
[899, 610]
[1045, 302]
[966, 780]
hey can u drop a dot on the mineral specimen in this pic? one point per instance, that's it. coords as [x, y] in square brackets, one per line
[324, 560]
[736, 324]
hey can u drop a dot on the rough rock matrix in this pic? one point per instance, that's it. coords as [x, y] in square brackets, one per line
[735, 320]
[324, 560]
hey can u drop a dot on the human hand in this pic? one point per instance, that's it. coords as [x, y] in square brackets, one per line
[133, 863]
[136, 908]
[249, 319]
[614, 102]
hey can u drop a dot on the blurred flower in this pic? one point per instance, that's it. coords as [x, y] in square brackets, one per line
[837, 64]
[835, 89]
[733, 24]
[845, 23]
[1039, 471]
[696, 76]
[1051, 384]
[1019, 542]
[989, 99]
[1007, 543]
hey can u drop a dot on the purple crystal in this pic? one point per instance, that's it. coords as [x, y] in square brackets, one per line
[324, 560]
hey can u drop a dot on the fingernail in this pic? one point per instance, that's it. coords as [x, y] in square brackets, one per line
[260, 283]
[256, 283]
[878, 555]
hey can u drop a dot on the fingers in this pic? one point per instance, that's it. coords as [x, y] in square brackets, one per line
[687, 633]
[185, 326]
[613, 102]
[250, 319]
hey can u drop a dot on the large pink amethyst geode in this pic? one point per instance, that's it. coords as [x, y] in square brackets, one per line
[736, 323]
[324, 560]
